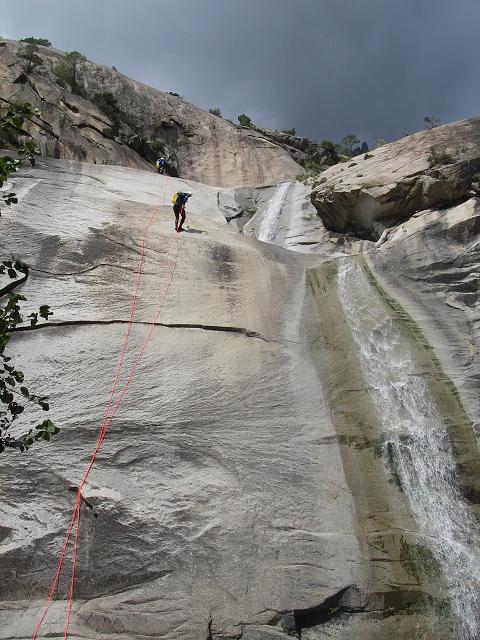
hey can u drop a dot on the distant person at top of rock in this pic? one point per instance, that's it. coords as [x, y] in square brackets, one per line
[179, 200]
[160, 164]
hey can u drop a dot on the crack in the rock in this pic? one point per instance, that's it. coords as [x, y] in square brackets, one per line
[88, 270]
[209, 627]
[45, 126]
[86, 125]
[13, 285]
[122, 244]
[44, 162]
[135, 582]
[321, 613]
[248, 333]
[51, 636]
[350, 601]
[86, 502]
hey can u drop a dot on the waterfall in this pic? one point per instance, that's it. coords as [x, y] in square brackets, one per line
[268, 226]
[416, 446]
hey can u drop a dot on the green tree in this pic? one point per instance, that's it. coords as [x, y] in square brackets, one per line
[13, 392]
[290, 132]
[107, 103]
[349, 141]
[215, 111]
[380, 142]
[42, 42]
[30, 54]
[67, 69]
[328, 145]
[11, 123]
[244, 120]
[29, 150]
[430, 122]
[438, 156]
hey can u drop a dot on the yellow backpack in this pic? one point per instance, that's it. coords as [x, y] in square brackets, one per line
[174, 197]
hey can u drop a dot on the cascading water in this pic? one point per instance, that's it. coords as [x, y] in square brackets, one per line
[268, 226]
[416, 445]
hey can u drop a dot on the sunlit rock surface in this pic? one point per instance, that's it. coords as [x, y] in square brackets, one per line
[386, 186]
[197, 144]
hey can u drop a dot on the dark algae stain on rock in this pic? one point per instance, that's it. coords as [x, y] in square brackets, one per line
[223, 266]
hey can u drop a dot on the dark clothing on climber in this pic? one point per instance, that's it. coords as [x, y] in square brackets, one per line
[179, 210]
[160, 164]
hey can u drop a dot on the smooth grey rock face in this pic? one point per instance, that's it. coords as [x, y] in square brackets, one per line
[388, 185]
[213, 496]
[73, 127]
[241, 490]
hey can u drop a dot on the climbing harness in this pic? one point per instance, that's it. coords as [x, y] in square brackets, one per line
[110, 410]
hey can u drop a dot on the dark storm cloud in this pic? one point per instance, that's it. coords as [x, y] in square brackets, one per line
[326, 67]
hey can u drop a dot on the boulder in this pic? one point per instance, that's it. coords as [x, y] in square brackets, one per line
[370, 193]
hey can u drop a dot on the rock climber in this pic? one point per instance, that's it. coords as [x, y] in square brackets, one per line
[160, 164]
[179, 200]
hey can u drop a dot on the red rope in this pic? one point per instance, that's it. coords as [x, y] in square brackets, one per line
[121, 358]
[117, 404]
[74, 564]
[107, 419]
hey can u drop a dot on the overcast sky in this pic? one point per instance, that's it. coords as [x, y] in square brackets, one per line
[325, 67]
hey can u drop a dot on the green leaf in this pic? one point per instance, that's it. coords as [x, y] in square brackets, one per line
[15, 408]
[44, 311]
[19, 266]
[48, 426]
[10, 198]
[6, 397]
